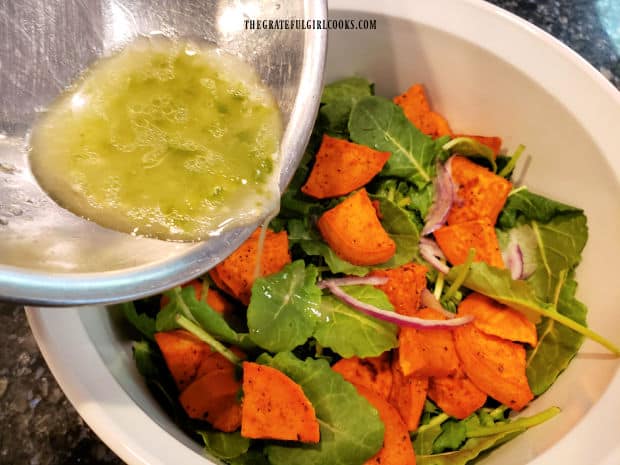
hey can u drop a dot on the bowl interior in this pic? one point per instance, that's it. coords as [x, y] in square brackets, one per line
[478, 91]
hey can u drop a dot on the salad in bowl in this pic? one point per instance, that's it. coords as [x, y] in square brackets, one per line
[407, 304]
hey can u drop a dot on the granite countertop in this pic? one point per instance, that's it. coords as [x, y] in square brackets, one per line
[38, 426]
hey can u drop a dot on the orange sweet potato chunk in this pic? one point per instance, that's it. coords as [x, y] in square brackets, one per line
[442, 128]
[404, 286]
[341, 167]
[354, 232]
[397, 447]
[497, 319]
[456, 240]
[493, 142]
[414, 103]
[275, 407]
[183, 353]
[214, 397]
[496, 366]
[427, 352]
[456, 395]
[215, 276]
[408, 396]
[236, 273]
[216, 361]
[218, 302]
[417, 109]
[373, 373]
[482, 193]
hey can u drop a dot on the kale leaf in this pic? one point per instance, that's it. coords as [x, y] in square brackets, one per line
[382, 125]
[533, 206]
[182, 301]
[284, 308]
[349, 332]
[337, 101]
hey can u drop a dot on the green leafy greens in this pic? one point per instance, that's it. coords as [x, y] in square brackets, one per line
[533, 207]
[337, 102]
[349, 332]
[293, 325]
[141, 321]
[284, 308]
[182, 301]
[518, 294]
[560, 242]
[351, 430]
[382, 125]
[287, 309]
[471, 148]
[557, 344]
[225, 445]
[444, 441]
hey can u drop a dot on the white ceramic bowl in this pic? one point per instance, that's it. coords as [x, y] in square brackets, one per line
[488, 72]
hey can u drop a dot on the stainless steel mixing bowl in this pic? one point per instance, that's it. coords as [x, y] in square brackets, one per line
[49, 256]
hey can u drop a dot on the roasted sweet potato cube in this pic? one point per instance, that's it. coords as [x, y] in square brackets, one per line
[496, 366]
[408, 396]
[183, 353]
[493, 142]
[414, 103]
[481, 193]
[221, 285]
[214, 397]
[236, 273]
[354, 232]
[275, 407]
[442, 128]
[404, 287]
[427, 352]
[497, 319]
[374, 373]
[341, 167]
[417, 109]
[218, 302]
[456, 240]
[216, 361]
[397, 447]
[456, 395]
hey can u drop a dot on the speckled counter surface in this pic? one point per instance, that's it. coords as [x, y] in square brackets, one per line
[38, 426]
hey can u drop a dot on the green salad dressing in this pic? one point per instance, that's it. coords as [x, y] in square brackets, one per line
[166, 139]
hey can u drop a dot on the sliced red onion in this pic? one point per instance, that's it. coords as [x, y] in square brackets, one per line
[353, 281]
[431, 252]
[442, 199]
[456, 200]
[521, 251]
[513, 259]
[393, 317]
[427, 299]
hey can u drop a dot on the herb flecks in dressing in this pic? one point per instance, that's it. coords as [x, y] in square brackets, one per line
[165, 139]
